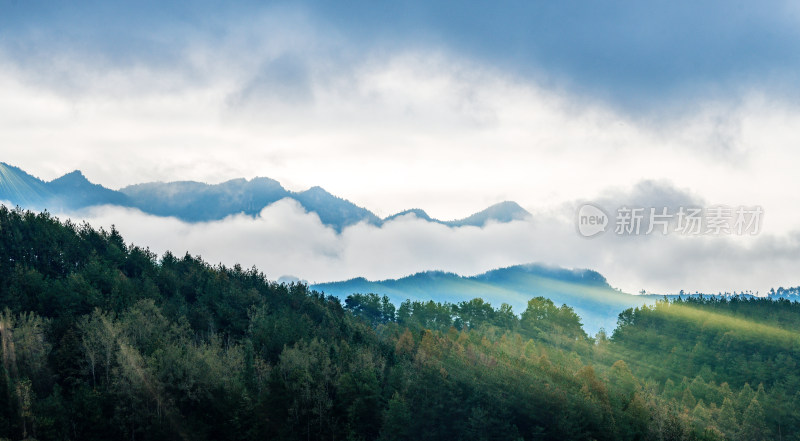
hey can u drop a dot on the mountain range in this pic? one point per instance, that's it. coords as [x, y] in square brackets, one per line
[587, 291]
[199, 202]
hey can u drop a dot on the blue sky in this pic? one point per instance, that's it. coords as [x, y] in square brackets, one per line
[445, 106]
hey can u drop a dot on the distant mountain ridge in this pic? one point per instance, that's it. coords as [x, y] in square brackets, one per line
[196, 201]
[199, 202]
[502, 212]
[70, 191]
[585, 290]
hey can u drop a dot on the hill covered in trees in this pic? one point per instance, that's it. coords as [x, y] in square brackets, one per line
[587, 291]
[105, 340]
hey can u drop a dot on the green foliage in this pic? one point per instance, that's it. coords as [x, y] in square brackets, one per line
[716, 348]
[103, 340]
[544, 318]
[371, 307]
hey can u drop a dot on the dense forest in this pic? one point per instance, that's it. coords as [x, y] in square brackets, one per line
[104, 340]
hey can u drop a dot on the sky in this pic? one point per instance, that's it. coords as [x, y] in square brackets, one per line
[444, 106]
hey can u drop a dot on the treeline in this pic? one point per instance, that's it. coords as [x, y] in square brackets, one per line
[793, 291]
[103, 340]
[542, 318]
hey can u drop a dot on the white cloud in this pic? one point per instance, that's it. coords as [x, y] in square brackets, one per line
[285, 240]
[397, 131]
[418, 128]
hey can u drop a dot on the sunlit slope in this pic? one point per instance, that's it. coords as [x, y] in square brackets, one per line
[18, 187]
[734, 329]
[738, 340]
[71, 191]
[586, 291]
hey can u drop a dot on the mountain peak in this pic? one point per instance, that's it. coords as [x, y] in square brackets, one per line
[333, 210]
[509, 210]
[74, 190]
[74, 177]
[416, 212]
[502, 212]
[317, 191]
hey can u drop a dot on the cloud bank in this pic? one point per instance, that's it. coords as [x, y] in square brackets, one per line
[284, 240]
[423, 105]
[394, 132]
[634, 55]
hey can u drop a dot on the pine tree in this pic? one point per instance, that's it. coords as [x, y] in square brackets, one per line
[745, 397]
[700, 415]
[754, 428]
[726, 420]
[688, 400]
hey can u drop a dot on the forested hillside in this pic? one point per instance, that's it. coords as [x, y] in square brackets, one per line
[734, 360]
[104, 340]
[586, 291]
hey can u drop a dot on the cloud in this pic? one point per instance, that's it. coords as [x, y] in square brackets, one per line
[284, 79]
[423, 105]
[415, 115]
[640, 57]
[392, 132]
[284, 240]
[650, 193]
